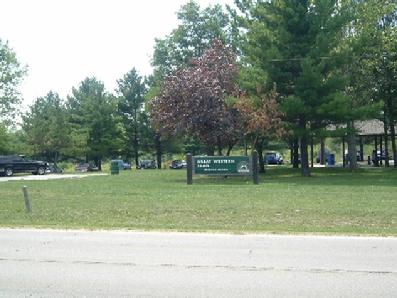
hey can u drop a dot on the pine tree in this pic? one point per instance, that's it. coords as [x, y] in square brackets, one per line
[295, 45]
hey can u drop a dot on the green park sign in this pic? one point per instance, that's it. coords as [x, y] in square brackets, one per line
[222, 166]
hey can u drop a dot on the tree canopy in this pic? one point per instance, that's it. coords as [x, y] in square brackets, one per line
[46, 127]
[131, 90]
[11, 74]
[196, 31]
[192, 99]
[270, 69]
[95, 122]
[295, 45]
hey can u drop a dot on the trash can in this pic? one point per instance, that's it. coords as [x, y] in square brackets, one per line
[331, 159]
[114, 167]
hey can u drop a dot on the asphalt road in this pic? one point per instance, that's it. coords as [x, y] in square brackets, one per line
[51, 263]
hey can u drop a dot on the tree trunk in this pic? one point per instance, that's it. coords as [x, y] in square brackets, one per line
[259, 150]
[295, 154]
[98, 162]
[56, 159]
[229, 149]
[322, 151]
[392, 129]
[393, 141]
[351, 146]
[219, 146]
[210, 150]
[157, 142]
[311, 151]
[305, 171]
[385, 130]
[136, 157]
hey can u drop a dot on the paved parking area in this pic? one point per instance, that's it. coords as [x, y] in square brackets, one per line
[48, 177]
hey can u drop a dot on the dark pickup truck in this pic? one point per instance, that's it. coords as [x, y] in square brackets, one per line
[10, 164]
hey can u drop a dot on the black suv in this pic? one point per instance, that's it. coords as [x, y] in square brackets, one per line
[10, 164]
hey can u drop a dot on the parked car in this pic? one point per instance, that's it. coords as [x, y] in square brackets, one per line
[10, 164]
[85, 167]
[126, 166]
[122, 164]
[147, 164]
[273, 158]
[380, 155]
[178, 164]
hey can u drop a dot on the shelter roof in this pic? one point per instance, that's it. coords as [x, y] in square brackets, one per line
[364, 128]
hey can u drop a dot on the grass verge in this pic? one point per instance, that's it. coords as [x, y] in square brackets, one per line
[332, 201]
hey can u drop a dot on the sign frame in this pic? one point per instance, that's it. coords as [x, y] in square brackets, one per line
[222, 166]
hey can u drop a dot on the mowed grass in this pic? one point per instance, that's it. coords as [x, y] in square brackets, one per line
[332, 201]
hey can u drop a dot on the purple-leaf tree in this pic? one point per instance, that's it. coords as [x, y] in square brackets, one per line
[192, 100]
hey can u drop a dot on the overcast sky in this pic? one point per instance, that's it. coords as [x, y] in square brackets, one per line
[65, 41]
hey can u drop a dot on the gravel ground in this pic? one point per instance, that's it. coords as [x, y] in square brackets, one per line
[48, 177]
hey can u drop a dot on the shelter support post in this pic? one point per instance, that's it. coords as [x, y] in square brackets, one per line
[381, 149]
[311, 151]
[343, 152]
[361, 148]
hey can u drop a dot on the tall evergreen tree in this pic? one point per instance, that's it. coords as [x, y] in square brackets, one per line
[46, 127]
[95, 122]
[4, 139]
[197, 29]
[384, 66]
[131, 90]
[11, 74]
[294, 44]
[361, 47]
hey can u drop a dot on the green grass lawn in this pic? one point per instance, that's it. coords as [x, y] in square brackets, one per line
[331, 201]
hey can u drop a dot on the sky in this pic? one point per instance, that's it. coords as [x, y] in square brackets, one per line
[64, 41]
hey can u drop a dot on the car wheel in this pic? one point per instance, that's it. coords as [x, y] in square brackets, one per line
[9, 172]
[41, 170]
